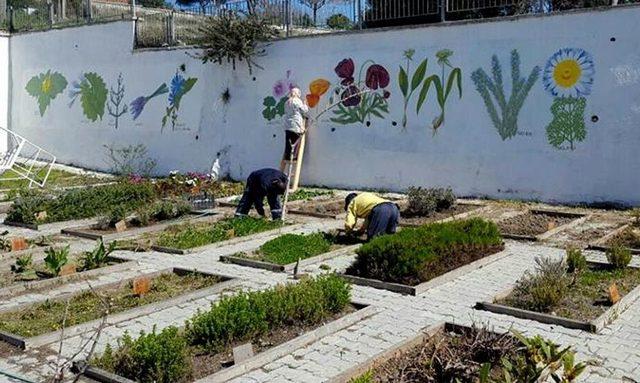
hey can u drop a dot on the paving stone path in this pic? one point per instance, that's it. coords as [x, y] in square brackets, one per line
[615, 351]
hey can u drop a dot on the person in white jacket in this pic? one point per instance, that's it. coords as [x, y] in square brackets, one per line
[295, 113]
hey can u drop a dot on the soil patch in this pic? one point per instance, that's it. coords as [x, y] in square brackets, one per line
[47, 316]
[205, 364]
[587, 298]
[436, 216]
[629, 237]
[333, 208]
[533, 223]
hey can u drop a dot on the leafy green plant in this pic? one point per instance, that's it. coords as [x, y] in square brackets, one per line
[416, 79]
[507, 121]
[416, 255]
[248, 315]
[93, 92]
[619, 256]
[56, 259]
[97, 257]
[568, 124]
[288, 248]
[165, 210]
[426, 201]
[307, 195]
[45, 87]
[442, 91]
[162, 357]
[576, 261]
[231, 38]
[24, 267]
[339, 21]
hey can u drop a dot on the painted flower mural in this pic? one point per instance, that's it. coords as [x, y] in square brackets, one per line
[180, 86]
[137, 105]
[361, 99]
[92, 91]
[443, 85]
[568, 76]
[45, 87]
[317, 89]
[274, 104]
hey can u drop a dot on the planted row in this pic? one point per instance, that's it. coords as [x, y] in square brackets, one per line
[170, 355]
[416, 255]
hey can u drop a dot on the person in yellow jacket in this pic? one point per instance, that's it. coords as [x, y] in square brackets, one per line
[380, 216]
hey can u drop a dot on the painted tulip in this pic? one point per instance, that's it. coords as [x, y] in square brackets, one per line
[312, 100]
[377, 77]
[351, 96]
[319, 87]
[345, 70]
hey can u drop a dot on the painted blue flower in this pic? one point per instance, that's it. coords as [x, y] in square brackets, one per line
[137, 105]
[177, 89]
[569, 73]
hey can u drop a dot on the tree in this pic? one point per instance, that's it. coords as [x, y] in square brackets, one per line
[315, 5]
[202, 3]
[338, 21]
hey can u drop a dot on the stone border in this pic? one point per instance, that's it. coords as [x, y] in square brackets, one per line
[25, 286]
[82, 328]
[290, 266]
[600, 243]
[229, 242]
[287, 348]
[592, 326]
[437, 281]
[48, 225]
[86, 232]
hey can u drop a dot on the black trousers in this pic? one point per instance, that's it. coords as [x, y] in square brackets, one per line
[250, 199]
[383, 219]
[290, 145]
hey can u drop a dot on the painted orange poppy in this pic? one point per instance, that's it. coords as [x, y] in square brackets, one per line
[319, 86]
[312, 100]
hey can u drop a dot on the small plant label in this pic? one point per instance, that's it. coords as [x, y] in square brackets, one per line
[614, 295]
[242, 353]
[19, 243]
[141, 286]
[121, 226]
[68, 269]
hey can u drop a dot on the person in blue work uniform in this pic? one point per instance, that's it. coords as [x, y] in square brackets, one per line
[270, 183]
[380, 216]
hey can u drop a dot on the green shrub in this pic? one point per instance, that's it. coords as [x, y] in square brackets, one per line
[24, 263]
[188, 235]
[97, 257]
[542, 290]
[248, 315]
[576, 261]
[619, 256]
[79, 203]
[56, 259]
[165, 210]
[424, 202]
[338, 21]
[414, 255]
[288, 248]
[155, 357]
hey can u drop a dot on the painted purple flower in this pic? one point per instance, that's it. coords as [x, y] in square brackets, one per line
[284, 86]
[137, 105]
[351, 96]
[345, 70]
[377, 77]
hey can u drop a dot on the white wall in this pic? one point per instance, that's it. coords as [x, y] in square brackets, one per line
[4, 88]
[466, 153]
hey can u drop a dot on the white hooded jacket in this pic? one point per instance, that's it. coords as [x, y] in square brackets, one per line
[294, 113]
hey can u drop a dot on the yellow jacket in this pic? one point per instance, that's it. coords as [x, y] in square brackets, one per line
[360, 207]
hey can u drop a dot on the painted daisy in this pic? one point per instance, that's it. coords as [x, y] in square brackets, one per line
[569, 73]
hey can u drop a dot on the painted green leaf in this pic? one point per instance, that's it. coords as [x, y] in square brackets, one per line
[45, 87]
[403, 81]
[280, 106]
[93, 96]
[269, 101]
[188, 85]
[418, 75]
[422, 97]
[456, 75]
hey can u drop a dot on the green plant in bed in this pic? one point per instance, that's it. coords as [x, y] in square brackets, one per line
[288, 248]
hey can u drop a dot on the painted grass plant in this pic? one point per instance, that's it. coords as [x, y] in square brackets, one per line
[288, 248]
[189, 235]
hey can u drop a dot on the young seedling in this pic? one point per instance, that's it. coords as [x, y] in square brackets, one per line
[56, 259]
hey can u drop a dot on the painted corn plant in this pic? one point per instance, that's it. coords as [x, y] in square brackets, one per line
[45, 87]
[568, 76]
[506, 119]
[180, 86]
[92, 91]
[443, 85]
[115, 107]
[274, 104]
[408, 88]
[361, 98]
[137, 105]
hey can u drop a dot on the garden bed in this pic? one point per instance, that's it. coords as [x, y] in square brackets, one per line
[417, 259]
[534, 223]
[448, 353]
[458, 210]
[282, 253]
[321, 209]
[627, 236]
[189, 237]
[46, 317]
[583, 304]
[275, 322]
[594, 228]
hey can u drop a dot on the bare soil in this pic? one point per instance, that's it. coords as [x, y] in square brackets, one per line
[594, 228]
[205, 364]
[629, 237]
[408, 220]
[532, 223]
[334, 207]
